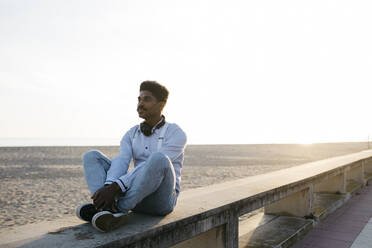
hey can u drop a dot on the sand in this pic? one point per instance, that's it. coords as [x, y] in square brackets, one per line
[46, 183]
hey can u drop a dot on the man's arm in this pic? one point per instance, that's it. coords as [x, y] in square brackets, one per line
[174, 143]
[120, 164]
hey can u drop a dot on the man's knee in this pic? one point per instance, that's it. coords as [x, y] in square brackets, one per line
[91, 155]
[166, 211]
[158, 158]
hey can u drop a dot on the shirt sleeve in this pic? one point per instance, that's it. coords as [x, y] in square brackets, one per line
[174, 143]
[125, 181]
[120, 164]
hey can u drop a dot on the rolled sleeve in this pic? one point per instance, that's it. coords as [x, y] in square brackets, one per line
[125, 181]
[121, 185]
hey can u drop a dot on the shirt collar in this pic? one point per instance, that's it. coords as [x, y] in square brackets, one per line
[156, 125]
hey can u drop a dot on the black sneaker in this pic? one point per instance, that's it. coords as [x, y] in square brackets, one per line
[86, 212]
[106, 221]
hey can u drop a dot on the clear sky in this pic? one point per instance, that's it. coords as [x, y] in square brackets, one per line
[260, 71]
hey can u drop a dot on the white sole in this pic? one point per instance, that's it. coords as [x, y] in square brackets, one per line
[78, 211]
[106, 221]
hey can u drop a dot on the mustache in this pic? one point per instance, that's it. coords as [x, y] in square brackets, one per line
[141, 108]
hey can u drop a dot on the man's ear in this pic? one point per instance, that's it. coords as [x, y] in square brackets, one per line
[162, 104]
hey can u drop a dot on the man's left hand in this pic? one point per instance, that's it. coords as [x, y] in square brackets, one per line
[104, 197]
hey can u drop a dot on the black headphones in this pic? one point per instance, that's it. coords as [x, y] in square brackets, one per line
[146, 129]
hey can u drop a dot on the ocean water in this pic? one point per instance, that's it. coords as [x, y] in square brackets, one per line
[20, 142]
[26, 142]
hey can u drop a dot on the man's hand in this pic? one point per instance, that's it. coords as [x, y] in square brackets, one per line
[105, 196]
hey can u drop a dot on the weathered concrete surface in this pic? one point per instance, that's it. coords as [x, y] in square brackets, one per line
[282, 231]
[356, 172]
[198, 211]
[250, 224]
[367, 176]
[335, 184]
[298, 204]
[212, 238]
[368, 165]
[326, 203]
[136, 226]
[352, 186]
[27, 233]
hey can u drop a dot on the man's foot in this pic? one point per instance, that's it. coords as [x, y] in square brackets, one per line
[106, 221]
[86, 212]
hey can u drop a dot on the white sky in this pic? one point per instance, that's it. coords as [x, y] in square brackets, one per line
[260, 71]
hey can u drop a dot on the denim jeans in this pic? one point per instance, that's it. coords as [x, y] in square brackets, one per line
[153, 186]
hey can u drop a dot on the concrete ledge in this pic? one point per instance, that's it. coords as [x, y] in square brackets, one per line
[280, 231]
[368, 176]
[211, 211]
[326, 203]
[353, 186]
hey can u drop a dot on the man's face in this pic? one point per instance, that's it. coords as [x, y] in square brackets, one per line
[148, 106]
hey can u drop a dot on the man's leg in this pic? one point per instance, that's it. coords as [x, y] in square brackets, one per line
[153, 188]
[96, 166]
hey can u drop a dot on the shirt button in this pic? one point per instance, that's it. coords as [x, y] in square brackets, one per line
[146, 147]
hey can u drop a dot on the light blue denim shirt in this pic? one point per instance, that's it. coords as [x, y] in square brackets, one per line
[135, 145]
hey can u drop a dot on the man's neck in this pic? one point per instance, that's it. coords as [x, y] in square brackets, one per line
[153, 121]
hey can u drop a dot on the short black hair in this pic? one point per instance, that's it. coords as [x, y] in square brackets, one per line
[159, 91]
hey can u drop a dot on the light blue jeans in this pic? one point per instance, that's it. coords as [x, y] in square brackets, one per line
[153, 186]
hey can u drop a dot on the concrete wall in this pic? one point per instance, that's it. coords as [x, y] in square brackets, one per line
[297, 200]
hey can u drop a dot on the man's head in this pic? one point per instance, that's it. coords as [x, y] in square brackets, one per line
[152, 99]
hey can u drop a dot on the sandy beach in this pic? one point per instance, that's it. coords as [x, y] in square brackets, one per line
[46, 183]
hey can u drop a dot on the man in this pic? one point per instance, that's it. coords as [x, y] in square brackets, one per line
[152, 187]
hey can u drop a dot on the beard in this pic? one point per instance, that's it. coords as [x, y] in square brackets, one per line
[142, 113]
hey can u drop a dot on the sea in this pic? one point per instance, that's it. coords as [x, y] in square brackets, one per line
[21, 142]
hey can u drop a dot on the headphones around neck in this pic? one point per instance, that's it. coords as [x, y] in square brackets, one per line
[147, 130]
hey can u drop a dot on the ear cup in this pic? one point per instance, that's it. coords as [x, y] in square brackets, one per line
[146, 129]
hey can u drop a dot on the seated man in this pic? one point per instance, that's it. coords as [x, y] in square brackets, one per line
[152, 187]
